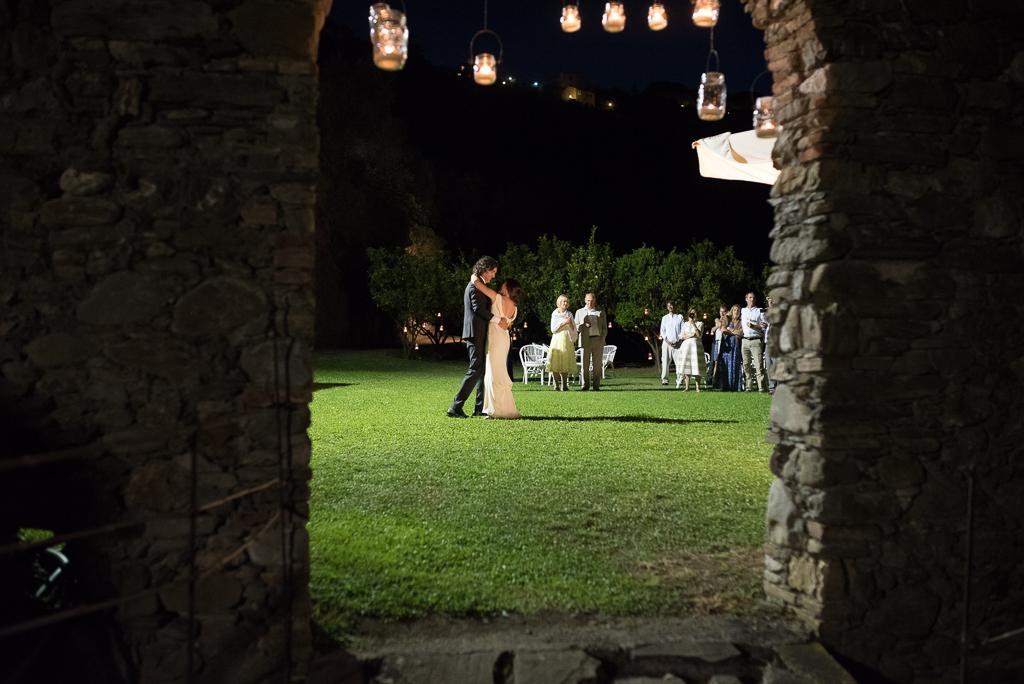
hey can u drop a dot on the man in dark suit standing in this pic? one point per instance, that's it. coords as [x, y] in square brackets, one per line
[476, 314]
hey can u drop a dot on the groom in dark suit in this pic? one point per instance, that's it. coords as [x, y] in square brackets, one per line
[476, 314]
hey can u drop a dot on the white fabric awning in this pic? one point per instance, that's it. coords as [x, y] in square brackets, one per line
[737, 156]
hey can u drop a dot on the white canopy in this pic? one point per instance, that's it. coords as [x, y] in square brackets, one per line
[737, 156]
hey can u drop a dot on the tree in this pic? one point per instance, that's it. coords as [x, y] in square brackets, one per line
[543, 272]
[419, 289]
[640, 287]
[592, 269]
[700, 278]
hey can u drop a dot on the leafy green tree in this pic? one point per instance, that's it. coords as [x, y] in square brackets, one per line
[543, 273]
[640, 287]
[420, 290]
[701, 278]
[592, 269]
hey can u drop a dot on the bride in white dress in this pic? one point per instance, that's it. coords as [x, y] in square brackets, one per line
[498, 401]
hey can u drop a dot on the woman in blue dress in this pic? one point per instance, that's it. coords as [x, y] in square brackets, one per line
[729, 377]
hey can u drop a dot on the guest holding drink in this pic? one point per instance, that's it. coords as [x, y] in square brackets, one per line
[730, 367]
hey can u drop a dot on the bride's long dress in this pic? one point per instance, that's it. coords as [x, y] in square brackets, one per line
[498, 401]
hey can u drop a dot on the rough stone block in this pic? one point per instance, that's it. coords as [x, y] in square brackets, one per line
[79, 211]
[812, 663]
[467, 668]
[217, 306]
[266, 27]
[82, 183]
[58, 349]
[124, 297]
[131, 20]
[554, 667]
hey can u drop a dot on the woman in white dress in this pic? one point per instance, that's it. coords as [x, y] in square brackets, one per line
[498, 401]
[691, 357]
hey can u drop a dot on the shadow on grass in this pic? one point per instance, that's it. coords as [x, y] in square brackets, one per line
[630, 419]
[317, 386]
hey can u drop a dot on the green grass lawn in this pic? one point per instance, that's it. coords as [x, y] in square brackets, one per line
[634, 500]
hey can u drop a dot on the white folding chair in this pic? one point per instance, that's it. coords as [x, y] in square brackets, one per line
[607, 358]
[533, 357]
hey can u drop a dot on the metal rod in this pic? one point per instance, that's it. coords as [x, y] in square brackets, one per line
[192, 574]
[287, 490]
[1005, 635]
[69, 536]
[50, 457]
[238, 495]
[79, 611]
[280, 476]
[76, 612]
[237, 552]
[965, 625]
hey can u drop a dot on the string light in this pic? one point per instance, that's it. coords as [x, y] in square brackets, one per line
[614, 18]
[657, 16]
[571, 20]
[705, 13]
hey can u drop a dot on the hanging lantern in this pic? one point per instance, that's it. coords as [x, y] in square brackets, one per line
[485, 64]
[657, 16]
[711, 96]
[389, 36]
[705, 13]
[571, 20]
[614, 17]
[765, 125]
[485, 69]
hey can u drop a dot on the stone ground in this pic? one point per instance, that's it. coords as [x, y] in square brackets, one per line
[569, 650]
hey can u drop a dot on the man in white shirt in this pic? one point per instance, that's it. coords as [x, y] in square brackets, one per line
[752, 350]
[592, 324]
[671, 335]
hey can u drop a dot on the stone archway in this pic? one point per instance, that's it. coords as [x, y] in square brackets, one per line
[159, 161]
[897, 227]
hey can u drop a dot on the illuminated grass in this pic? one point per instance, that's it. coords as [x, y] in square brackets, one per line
[633, 500]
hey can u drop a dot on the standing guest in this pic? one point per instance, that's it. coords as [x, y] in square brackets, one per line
[753, 322]
[476, 316]
[562, 356]
[592, 324]
[691, 357]
[671, 339]
[730, 372]
[716, 344]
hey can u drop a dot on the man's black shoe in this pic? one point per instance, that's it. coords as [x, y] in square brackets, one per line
[460, 414]
[479, 414]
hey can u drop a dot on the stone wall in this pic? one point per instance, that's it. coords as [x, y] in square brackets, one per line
[898, 274]
[157, 168]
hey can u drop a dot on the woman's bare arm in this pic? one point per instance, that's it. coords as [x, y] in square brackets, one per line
[480, 285]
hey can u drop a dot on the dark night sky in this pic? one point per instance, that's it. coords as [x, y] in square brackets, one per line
[536, 49]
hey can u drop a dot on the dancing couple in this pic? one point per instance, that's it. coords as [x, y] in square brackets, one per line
[485, 334]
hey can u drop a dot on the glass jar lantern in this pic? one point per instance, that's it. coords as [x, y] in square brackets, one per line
[657, 17]
[485, 69]
[377, 10]
[614, 18]
[711, 96]
[705, 13]
[765, 125]
[571, 20]
[389, 36]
